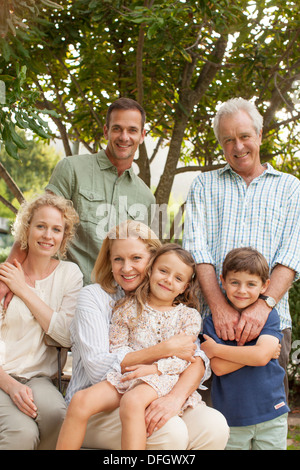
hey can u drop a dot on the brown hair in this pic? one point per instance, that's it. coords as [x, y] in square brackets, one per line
[125, 104]
[129, 229]
[27, 209]
[246, 259]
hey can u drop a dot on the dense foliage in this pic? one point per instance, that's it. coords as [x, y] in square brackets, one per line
[180, 59]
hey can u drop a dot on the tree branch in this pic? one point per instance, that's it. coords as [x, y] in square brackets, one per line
[10, 183]
[8, 204]
[79, 89]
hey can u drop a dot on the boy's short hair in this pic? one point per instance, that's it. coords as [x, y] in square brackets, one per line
[246, 259]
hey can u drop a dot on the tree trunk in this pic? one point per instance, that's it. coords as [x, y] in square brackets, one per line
[188, 99]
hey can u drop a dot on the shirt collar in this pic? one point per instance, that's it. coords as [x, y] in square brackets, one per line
[269, 170]
[105, 163]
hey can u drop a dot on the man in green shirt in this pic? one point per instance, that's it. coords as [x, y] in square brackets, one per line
[103, 187]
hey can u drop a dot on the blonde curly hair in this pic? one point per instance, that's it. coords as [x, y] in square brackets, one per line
[25, 215]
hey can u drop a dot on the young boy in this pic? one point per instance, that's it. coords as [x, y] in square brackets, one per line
[248, 386]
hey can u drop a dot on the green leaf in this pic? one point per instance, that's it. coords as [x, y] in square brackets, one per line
[11, 149]
[16, 138]
[36, 128]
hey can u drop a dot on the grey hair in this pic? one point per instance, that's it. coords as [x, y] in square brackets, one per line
[234, 105]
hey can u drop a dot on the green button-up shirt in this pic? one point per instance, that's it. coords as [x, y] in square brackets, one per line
[102, 200]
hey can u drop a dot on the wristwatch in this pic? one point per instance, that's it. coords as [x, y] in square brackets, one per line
[269, 300]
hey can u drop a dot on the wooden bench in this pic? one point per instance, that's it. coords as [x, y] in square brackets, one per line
[62, 379]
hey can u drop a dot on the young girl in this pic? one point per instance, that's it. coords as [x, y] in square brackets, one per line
[163, 305]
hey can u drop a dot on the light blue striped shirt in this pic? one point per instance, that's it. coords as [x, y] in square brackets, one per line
[223, 213]
[92, 359]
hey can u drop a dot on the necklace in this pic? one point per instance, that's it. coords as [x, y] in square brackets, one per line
[43, 276]
[32, 283]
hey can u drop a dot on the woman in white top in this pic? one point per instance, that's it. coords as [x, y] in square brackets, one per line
[120, 267]
[45, 292]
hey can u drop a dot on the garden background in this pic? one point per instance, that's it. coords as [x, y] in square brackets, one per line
[62, 63]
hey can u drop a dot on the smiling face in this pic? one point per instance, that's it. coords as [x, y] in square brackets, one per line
[46, 231]
[243, 288]
[241, 144]
[129, 259]
[169, 278]
[124, 136]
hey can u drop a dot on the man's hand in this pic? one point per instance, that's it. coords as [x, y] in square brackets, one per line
[252, 320]
[225, 322]
[5, 294]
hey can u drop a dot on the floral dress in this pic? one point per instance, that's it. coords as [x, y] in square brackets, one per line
[130, 333]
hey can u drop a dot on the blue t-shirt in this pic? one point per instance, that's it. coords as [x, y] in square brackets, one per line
[250, 395]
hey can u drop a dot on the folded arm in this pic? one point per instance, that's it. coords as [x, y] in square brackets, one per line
[225, 359]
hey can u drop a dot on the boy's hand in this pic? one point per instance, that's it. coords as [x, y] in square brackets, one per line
[277, 352]
[208, 346]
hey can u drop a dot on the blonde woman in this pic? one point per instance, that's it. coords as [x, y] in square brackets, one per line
[119, 269]
[45, 291]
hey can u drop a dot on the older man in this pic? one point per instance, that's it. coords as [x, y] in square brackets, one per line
[246, 203]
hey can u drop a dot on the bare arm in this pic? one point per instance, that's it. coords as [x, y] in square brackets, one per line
[222, 367]
[164, 408]
[12, 275]
[20, 255]
[180, 345]
[20, 394]
[227, 321]
[225, 317]
[257, 355]
[254, 317]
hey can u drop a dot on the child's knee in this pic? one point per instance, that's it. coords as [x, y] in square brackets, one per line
[131, 403]
[78, 404]
[128, 401]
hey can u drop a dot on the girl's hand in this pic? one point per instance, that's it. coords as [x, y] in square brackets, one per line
[22, 397]
[208, 346]
[13, 276]
[139, 370]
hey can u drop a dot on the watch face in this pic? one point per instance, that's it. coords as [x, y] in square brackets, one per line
[271, 302]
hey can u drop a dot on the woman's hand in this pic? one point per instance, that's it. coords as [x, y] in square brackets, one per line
[182, 346]
[13, 276]
[160, 411]
[22, 397]
[139, 370]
